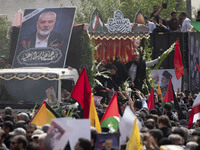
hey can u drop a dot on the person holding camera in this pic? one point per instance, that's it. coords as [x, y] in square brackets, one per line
[156, 12]
[161, 27]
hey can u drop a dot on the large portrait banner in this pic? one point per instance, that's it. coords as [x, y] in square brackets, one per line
[194, 57]
[44, 37]
[162, 77]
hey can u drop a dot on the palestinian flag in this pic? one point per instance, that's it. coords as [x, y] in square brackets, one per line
[44, 115]
[111, 117]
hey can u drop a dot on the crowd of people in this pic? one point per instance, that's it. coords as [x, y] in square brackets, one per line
[161, 126]
[174, 24]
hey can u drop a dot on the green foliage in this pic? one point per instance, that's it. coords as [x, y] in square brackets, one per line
[85, 9]
[146, 55]
[4, 42]
[129, 8]
[87, 56]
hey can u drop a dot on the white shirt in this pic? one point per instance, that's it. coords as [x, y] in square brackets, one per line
[151, 26]
[39, 43]
[186, 25]
[133, 69]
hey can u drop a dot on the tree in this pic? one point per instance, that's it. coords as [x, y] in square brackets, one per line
[85, 9]
[129, 8]
[4, 42]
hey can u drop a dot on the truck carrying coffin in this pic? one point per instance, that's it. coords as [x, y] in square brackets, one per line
[23, 88]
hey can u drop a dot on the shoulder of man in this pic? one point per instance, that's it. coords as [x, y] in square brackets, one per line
[54, 34]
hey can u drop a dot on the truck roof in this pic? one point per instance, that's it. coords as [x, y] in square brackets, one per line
[62, 72]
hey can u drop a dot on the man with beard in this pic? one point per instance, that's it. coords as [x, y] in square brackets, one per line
[137, 71]
[164, 82]
[18, 142]
[186, 25]
[44, 36]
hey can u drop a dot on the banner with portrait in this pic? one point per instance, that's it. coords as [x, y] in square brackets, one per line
[194, 57]
[162, 76]
[44, 37]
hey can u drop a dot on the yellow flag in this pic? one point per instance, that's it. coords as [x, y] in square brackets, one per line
[160, 93]
[135, 142]
[94, 119]
[44, 115]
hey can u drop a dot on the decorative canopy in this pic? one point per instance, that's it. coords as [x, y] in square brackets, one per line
[118, 38]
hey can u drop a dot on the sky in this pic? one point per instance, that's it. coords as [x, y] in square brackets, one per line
[196, 4]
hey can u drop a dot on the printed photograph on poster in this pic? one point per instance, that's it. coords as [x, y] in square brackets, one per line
[54, 135]
[162, 76]
[107, 141]
[66, 130]
[44, 37]
[51, 97]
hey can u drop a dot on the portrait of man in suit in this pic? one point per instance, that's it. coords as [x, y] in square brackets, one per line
[44, 36]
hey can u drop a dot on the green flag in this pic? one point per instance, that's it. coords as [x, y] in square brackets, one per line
[196, 25]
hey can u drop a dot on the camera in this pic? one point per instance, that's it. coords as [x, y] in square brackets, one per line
[164, 5]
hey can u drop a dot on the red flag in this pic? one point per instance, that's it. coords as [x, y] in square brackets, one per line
[178, 64]
[195, 110]
[169, 94]
[82, 93]
[170, 97]
[198, 68]
[150, 103]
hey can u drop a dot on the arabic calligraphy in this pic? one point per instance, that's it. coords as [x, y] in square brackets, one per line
[119, 23]
[39, 56]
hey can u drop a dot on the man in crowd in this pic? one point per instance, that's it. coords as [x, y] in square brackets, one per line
[174, 23]
[83, 144]
[2, 139]
[150, 24]
[29, 131]
[156, 12]
[106, 82]
[186, 25]
[8, 127]
[18, 142]
[137, 71]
